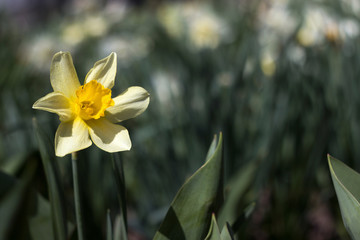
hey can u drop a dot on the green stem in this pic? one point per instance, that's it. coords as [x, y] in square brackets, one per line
[77, 196]
[109, 235]
[118, 169]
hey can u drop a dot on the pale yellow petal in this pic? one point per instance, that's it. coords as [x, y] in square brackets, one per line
[108, 136]
[129, 104]
[63, 76]
[56, 102]
[71, 136]
[104, 71]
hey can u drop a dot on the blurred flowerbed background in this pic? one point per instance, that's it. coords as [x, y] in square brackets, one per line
[279, 78]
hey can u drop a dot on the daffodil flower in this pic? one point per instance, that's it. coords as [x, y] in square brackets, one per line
[88, 112]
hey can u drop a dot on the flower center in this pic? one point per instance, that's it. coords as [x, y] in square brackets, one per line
[92, 100]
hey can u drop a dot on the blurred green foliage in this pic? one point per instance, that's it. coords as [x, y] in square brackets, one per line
[283, 95]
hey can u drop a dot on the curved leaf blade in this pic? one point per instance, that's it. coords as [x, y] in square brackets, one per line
[346, 182]
[214, 232]
[212, 148]
[226, 233]
[190, 213]
[120, 228]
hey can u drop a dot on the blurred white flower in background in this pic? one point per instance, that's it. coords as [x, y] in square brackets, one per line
[115, 11]
[80, 6]
[276, 19]
[95, 25]
[296, 54]
[69, 34]
[204, 27]
[73, 33]
[171, 18]
[277, 25]
[194, 22]
[39, 50]
[352, 6]
[205, 31]
[77, 31]
[128, 47]
[317, 26]
[195, 25]
[349, 28]
[167, 89]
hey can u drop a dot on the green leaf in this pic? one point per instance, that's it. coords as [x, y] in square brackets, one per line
[56, 196]
[189, 215]
[226, 233]
[120, 228]
[346, 182]
[214, 232]
[212, 148]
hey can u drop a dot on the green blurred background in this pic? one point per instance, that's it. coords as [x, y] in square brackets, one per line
[279, 78]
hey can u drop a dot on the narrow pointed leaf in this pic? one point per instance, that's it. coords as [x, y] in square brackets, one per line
[226, 233]
[119, 228]
[212, 148]
[54, 185]
[346, 182]
[189, 216]
[214, 232]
